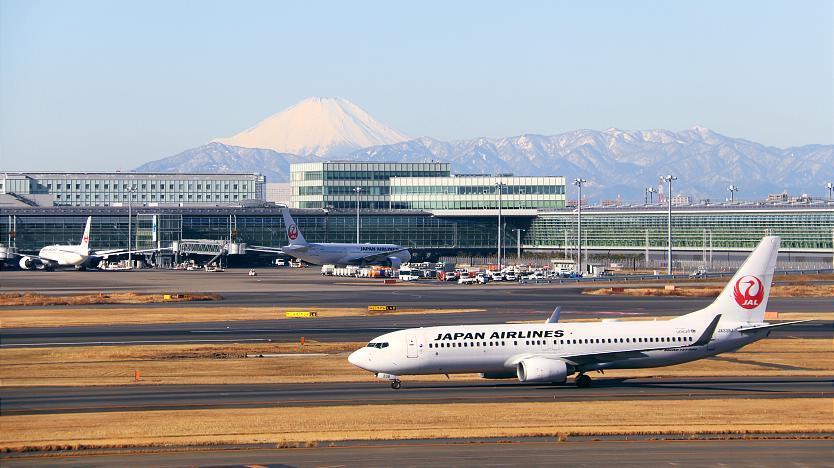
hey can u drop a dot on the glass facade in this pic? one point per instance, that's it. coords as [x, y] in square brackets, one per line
[116, 188]
[476, 192]
[802, 229]
[331, 184]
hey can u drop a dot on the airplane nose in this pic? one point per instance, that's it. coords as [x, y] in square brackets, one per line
[355, 358]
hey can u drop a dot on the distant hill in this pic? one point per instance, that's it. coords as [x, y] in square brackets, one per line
[615, 162]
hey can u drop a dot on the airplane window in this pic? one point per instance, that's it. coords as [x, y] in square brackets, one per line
[502, 344]
[484, 343]
[561, 341]
[515, 343]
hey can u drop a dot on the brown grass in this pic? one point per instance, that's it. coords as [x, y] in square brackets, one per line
[795, 290]
[311, 424]
[227, 364]
[32, 299]
[16, 318]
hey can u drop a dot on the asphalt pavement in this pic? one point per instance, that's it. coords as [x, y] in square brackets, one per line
[141, 397]
[465, 452]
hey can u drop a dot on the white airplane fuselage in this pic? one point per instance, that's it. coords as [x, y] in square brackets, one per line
[497, 349]
[65, 255]
[343, 254]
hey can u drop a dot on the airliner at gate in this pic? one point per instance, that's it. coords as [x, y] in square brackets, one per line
[551, 351]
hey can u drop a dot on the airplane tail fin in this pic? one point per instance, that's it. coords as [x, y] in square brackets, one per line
[293, 233]
[744, 298]
[85, 239]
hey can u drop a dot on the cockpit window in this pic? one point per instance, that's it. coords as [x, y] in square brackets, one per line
[378, 345]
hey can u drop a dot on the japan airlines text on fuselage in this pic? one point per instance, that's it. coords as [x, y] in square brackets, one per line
[340, 253]
[549, 352]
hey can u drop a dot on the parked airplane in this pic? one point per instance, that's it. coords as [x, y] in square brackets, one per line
[551, 351]
[338, 253]
[79, 256]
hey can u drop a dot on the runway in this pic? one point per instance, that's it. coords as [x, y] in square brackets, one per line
[463, 452]
[353, 329]
[47, 400]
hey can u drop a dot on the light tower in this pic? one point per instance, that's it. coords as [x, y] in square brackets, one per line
[650, 191]
[578, 183]
[669, 178]
[130, 193]
[830, 187]
[732, 189]
[358, 190]
[499, 186]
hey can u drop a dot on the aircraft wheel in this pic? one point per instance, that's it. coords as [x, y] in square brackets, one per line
[396, 384]
[583, 381]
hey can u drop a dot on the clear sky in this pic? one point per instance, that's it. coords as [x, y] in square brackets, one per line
[107, 85]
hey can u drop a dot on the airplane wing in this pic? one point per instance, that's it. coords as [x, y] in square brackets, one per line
[593, 358]
[102, 253]
[380, 256]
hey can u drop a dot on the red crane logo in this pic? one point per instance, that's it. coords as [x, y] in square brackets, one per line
[748, 292]
[292, 232]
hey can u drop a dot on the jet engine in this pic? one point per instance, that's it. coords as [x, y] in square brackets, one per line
[539, 369]
[395, 262]
[30, 263]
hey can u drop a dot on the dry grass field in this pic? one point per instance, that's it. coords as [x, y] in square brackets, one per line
[32, 299]
[17, 318]
[793, 290]
[226, 363]
[309, 425]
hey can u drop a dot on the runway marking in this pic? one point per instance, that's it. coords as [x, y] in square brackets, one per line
[80, 343]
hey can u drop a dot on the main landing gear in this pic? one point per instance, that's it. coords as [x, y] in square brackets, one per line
[396, 384]
[583, 381]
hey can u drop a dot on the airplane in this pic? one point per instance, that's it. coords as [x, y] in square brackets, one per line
[79, 256]
[549, 352]
[340, 253]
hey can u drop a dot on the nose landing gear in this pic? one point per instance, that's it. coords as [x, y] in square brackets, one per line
[396, 384]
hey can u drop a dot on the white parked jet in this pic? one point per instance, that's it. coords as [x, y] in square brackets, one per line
[339, 253]
[549, 352]
[79, 256]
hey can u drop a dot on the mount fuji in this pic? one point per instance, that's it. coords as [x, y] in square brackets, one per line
[325, 127]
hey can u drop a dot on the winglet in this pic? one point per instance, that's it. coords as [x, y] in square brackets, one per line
[554, 317]
[708, 332]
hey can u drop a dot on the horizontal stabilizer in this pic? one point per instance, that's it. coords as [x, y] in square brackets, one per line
[765, 326]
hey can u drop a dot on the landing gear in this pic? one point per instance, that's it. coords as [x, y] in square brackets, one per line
[583, 381]
[396, 384]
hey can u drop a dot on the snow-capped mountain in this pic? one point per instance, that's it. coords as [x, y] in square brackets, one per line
[617, 163]
[220, 158]
[327, 127]
[623, 163]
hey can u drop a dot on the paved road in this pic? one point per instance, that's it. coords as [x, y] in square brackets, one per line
[42, 400]
[354, 329]
[518, 452]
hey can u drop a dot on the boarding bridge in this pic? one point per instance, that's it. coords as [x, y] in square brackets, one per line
[208, 247]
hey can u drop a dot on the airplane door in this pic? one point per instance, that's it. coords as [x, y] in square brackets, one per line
[550, 345]
[411, 346]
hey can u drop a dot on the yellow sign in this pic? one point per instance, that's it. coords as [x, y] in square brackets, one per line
[301, 314]
[378, 308]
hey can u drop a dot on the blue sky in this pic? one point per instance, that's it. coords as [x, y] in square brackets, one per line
[109, 85]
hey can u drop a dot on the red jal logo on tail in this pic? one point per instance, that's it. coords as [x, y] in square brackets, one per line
[748, 292]
[292, 232]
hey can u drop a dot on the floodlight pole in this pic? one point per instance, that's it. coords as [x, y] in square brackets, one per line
[357, 190]
[732, 189]
[518, 232]
[578, 183]
[130, 193]
[669, 178]
[500, 187]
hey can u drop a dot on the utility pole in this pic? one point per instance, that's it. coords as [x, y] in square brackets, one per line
[578, 183]
[130, 193]
[732, 188]
[500, 187]
[669, 178]
[357, 190]
[518, 244]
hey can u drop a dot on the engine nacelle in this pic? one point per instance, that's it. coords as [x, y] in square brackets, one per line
[29, 263]
[395, 262]
[539, 369]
